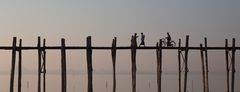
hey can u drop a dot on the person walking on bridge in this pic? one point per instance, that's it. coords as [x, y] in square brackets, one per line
[142, 40]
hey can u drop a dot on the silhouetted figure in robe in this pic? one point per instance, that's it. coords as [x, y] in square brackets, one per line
[134, 39]
[168, 39]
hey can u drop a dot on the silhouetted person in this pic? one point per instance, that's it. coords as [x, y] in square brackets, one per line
[168, 39]
[142, 40]
[135, 35]
[134, 40]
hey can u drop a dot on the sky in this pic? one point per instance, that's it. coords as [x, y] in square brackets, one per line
[74, 20]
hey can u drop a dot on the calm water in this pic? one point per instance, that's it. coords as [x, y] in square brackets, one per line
[103, 83]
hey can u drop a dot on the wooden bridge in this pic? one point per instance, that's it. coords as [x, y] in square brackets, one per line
[182, 58]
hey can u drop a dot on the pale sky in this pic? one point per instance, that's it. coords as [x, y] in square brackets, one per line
[104, 19]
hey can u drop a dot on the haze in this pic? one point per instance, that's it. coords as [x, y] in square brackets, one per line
[104, 19]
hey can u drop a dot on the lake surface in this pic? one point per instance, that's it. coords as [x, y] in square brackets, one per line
[103, 82]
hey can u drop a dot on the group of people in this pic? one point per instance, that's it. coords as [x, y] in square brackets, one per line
[142, 39]
[168, 38]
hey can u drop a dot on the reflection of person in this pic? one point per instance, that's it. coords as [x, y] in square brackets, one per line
[168, 39]
[142, 40]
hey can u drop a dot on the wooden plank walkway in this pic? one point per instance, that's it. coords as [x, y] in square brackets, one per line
[110, 48]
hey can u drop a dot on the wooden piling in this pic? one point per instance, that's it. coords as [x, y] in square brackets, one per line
[206, 62]
[39, 63]
[20, 66]
[203, 68]
[13, 64]
[44, 65]
[159, 65]
[227, 65]
[114, 43]
[233, 64]
[186, 64]
[134, 67]
[89, 64]
[63, 66]
[160, 57]
[179, 66]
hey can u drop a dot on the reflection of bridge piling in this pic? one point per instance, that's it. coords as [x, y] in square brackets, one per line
[182, 58]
